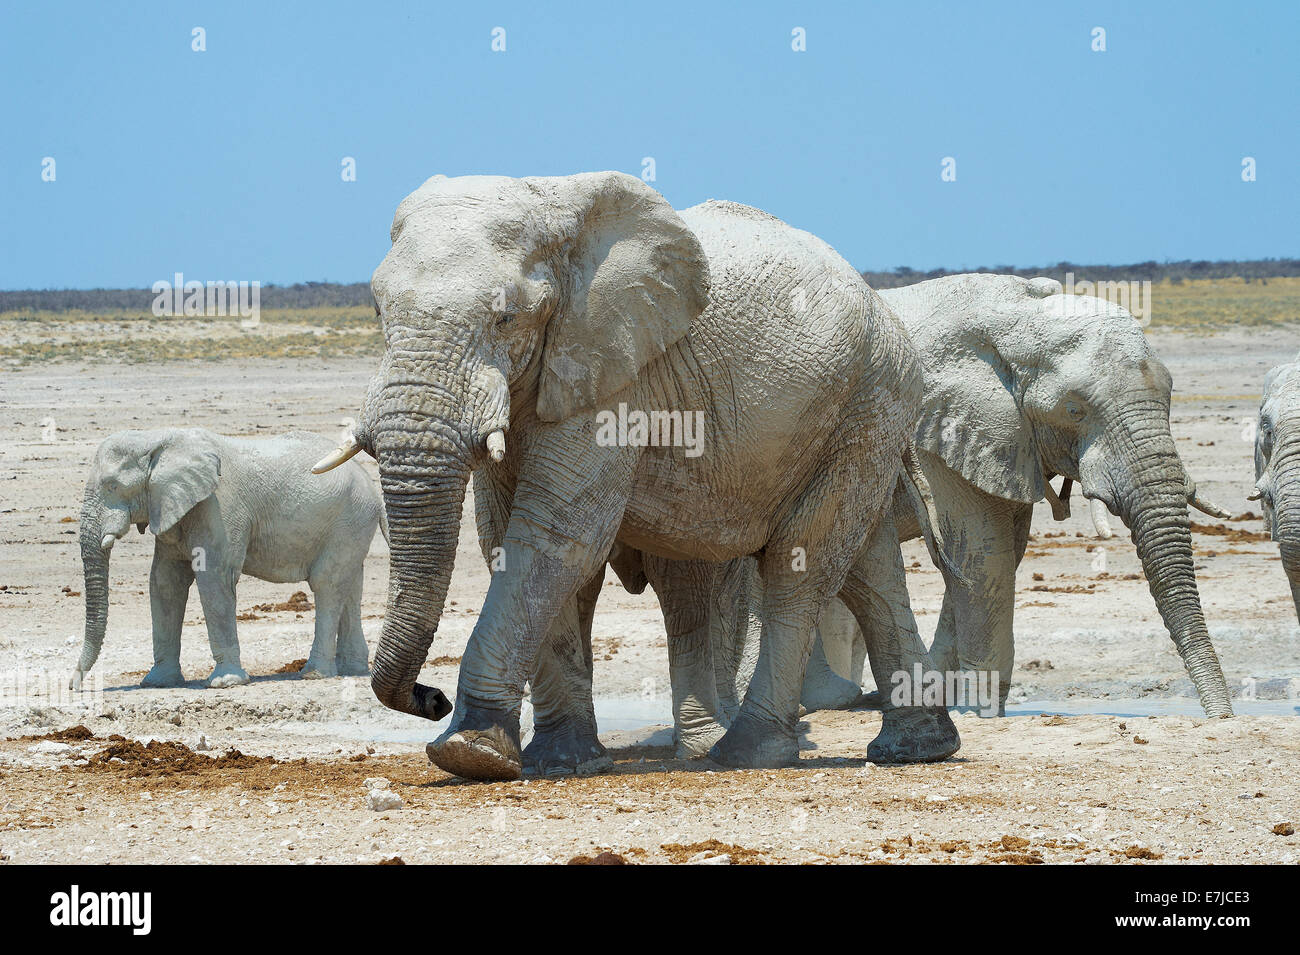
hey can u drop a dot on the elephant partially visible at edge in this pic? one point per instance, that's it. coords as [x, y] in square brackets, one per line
[219, 507]
[1277, 467]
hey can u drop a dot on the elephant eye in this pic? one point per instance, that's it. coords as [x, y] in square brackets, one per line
[1076, 412]
[505, 319]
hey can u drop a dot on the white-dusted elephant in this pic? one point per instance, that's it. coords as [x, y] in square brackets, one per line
[1277, 467]
[220, 507]
[519, 314]
[1024, 383]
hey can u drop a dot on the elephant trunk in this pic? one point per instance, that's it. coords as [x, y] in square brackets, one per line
[423, 500]
[1152, 500]
[94, 563]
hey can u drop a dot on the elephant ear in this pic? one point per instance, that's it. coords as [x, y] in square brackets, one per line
[184, 471]
[634, 279]
[972, 415]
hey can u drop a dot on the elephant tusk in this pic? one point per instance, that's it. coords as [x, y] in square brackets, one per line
[1208, 506]
[1100, 519]
[496, 444]
[1060, 503]
[347, 449]
[107, 541]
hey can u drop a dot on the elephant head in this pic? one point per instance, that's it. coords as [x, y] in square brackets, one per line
[1277, 467]
[148, 478]
[507, 305]
[1024, 383]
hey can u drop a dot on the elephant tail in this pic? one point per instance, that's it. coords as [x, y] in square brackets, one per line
[927, 514]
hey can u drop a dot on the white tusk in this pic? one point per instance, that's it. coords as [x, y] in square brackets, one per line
[496, 444]
[1060, 506]
[1208, 507]
[1100, 519]
[347, 449]
[107, 541]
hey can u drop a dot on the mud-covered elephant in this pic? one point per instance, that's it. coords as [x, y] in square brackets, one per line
[1277, 467]
[219, 507]
[521, 317]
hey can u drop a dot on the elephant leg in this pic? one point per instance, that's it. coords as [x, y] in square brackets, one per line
[169, 589]
[734, 629]
[685, 589]
[876, 593]
[324, 646]
[986, 537]
[217, 595]
[801, 570]
[823, 687]
[565, 738]
[560, 534]
[352, 658]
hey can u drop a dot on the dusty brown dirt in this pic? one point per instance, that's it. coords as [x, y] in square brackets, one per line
[1076, 787]
[1022, 791]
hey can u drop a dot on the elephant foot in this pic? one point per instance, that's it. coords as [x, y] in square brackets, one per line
[875, 700]
[227, 674]
[352, 667]
[831, 693]
[483, 745]
[914, 734]
[698, 740]
[565, 750]
[163, 675]
[313, 670]
[754, 743]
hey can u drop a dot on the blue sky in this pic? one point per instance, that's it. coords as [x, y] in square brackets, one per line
[225, 164]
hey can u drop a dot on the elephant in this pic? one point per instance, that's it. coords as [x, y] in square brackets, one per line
[218, 507]
[568, 312]
[1277, 467]
[1024, 383]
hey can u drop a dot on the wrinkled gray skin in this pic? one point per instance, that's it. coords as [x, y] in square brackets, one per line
[527, 306]
[219, 507]
[1277, 467]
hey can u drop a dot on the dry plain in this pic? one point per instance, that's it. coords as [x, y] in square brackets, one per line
[1106, 760]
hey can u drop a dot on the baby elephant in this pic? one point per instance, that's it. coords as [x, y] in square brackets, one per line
[219, 507]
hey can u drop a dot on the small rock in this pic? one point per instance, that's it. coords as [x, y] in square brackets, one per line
[49, 747]
[1284, 829]
[381, 800]
[202, 746]
[376, 782]
[703, 858]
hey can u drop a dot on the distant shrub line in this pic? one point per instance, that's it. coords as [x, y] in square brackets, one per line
[1175, 272]
[305, 295]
